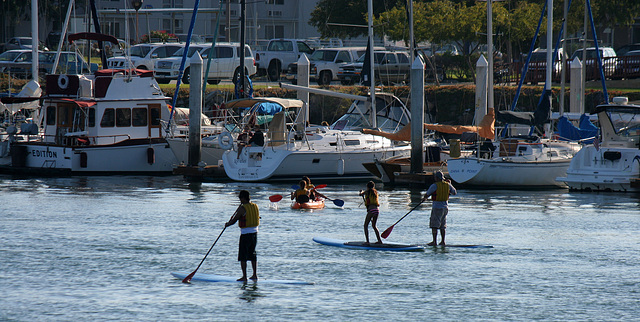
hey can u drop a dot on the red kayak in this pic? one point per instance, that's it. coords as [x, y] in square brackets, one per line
[316, 204]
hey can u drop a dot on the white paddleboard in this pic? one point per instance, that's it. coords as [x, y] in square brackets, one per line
[396, 247]
[228, 279]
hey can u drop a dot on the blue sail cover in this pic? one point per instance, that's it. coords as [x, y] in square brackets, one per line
[568, 131]
[266, 108]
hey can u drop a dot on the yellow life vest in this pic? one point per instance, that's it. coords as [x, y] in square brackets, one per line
[310, 187]
[442, 191]
[302, 191]
[371, 199]
[251, 216]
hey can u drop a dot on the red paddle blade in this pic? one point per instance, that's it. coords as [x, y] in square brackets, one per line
[387, 232]
[188, 278]
[275, 198]
[320, 186]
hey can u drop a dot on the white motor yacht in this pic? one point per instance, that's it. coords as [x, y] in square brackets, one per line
[612, 164]
[292, 150]
[108, 122]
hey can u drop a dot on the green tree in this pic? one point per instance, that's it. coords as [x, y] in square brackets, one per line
[327, 13]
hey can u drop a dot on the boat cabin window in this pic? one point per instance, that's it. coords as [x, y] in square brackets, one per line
[140, 117]
[108, 118]
[92, 117]
[625, 123]
[155, 116]
[51, 115]
[351, 142]
[123, 117]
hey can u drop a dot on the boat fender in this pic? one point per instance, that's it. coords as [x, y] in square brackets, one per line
[225, 140]
[63, 81]
[151, 156]
[341, 167]
[83, 159]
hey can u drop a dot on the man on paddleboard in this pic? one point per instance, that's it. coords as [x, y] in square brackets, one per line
[440, 189]
[248, 217]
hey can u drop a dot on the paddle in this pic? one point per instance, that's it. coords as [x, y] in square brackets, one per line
[387, 231]
[190, 276]
[275, 198]
[337, 202]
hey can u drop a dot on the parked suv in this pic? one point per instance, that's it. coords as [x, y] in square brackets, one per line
[225, 64]
[390, 67]
[143, 56]
[610, 63]
[326, 62]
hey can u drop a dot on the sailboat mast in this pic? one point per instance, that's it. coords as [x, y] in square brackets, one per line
[372, 75]
[549, 45]
[34, 40]
[243, 25]
[489, 54]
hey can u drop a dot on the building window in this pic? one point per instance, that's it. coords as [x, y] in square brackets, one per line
[280, 2]
[271, 32]
[274, 13]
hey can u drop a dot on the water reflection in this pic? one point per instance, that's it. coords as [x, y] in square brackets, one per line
[250, 292]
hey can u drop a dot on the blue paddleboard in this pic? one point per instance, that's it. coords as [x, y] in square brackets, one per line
[228, 279]
[395, 247]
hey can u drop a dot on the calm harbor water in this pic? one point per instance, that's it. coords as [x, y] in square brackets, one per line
[103, 248]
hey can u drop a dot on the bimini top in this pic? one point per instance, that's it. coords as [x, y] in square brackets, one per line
[250, 102]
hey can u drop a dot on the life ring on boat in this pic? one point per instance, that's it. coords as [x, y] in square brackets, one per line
[225, 140]
[63, 81]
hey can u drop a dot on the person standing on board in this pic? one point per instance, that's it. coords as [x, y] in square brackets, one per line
[248, 217]
[440, 189]
[371, 202]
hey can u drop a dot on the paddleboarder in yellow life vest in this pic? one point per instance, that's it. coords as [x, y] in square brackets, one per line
[440, 189]
[248, 217]
[371, 202]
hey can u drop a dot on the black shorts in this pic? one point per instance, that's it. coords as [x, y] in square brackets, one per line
[247, 249]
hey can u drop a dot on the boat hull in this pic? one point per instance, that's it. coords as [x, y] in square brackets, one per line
[262, 164]
[590, 170]
[132, 156]
[496, 173]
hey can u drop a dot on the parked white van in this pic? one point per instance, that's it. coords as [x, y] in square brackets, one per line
[225, 64]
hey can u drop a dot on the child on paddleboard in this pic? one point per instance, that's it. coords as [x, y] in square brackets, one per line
[371, 202]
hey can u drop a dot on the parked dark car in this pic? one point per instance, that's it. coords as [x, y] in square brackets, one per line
[622, 51]
[629, 64]
[610, 63]
[17, 63]
[390, 67]
[21, 43]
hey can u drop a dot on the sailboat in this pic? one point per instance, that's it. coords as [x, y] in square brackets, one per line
[523, 161]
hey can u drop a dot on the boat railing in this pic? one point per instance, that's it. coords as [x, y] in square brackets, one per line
[85, 140]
